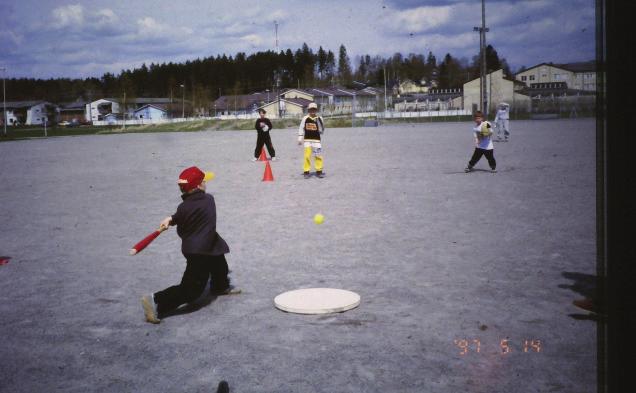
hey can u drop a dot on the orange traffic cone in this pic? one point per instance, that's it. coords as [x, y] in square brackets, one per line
[267, 176]
[263, 157]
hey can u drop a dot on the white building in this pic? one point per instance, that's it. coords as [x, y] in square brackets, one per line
[578, 76]
[150, 112]
[499, 88]
[30, 112]
[96, 110]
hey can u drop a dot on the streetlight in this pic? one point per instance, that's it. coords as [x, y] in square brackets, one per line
[4, 102]
[124, 112]
[353, 113]
[482, 51]
[384, 76]
[183, 101]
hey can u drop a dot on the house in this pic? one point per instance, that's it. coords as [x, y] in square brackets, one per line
[286, 107]
[579, 76]
[96, 110]
[240, 104]
[410, 87]
[74, 112]
[499, 88]
[434, 100]
[112, 118]
[557, 97]
[293, 102]
[151, 112]
[30, 112]
[334, 100]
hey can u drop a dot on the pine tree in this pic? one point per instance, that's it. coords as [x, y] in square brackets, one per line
[344, 67]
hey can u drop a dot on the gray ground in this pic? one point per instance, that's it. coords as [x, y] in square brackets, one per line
[437, 255]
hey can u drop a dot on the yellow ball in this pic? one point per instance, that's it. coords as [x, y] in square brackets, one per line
[319, 218]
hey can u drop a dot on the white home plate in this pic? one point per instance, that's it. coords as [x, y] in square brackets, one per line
[317, 300]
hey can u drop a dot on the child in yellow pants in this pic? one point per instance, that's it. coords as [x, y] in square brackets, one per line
[309, 131]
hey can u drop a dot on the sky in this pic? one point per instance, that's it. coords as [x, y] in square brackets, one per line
[79, 39]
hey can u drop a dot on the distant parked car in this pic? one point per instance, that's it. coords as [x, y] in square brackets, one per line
[69, 124]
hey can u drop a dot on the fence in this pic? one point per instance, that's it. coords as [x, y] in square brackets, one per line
[138, 122]
[569, 106]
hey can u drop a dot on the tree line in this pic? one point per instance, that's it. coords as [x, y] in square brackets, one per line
[201, 81]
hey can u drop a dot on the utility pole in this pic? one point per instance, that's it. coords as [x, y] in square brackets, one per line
[353, 111]
[384, 72]
[183, 101]
[4, 102]
[482, 54]
[276, 34]
[123, 111]
[484, 71]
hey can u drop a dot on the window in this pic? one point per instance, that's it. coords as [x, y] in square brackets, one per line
[544, 75]
[523, 78]
[557, 77]
[531, 77]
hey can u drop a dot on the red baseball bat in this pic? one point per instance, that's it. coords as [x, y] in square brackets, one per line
[145, 241]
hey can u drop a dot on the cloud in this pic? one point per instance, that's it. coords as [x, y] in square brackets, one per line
[69, 15]
[106, 17]
[12, 38]
[277, 15]
[421, 19]
[148, 25]
[76, 39]
[252, 39]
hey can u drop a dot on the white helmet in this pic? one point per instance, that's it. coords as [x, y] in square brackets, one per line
[312, 105]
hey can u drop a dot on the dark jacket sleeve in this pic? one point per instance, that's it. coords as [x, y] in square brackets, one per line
[196, 226]
[269, 124]
[177, 217]
[256, 125]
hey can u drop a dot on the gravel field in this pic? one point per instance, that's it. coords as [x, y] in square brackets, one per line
[437, 255]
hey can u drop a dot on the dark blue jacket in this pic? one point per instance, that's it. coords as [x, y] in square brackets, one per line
[196, 225]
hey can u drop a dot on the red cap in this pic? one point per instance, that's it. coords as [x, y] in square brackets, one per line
[192, 177]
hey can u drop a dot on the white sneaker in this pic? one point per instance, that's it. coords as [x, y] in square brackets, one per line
[254, 159]
[274, 159]
[150, 309]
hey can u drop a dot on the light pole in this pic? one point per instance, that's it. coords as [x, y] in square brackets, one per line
[183, 101]
[123, 110]
[353, 111]
[4, 102]
[482, 54]
[384, 73]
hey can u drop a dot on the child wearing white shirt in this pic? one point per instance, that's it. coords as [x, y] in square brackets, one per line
[483, 143]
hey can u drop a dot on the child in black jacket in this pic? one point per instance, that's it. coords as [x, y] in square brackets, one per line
[263, 125]
[201, 245]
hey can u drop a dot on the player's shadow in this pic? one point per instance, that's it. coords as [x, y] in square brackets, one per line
[584, 285]
[202, 301]
[473, 170]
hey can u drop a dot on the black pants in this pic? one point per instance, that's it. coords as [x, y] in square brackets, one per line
[198, 269]
[264, 139]
[490, 156]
